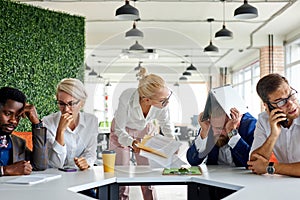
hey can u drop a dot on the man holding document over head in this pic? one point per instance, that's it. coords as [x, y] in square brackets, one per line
[225, 136]
[133, 119]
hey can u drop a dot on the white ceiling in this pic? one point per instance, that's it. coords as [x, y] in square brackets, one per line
[178, 31]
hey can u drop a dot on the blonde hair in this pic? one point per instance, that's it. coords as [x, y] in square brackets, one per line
[73, 87]
[149, 84]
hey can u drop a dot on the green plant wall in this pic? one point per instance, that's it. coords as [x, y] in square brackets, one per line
[38, 48]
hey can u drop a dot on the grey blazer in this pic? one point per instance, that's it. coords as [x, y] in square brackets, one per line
[38, 156]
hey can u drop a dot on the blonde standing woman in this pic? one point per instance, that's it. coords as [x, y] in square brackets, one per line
[133, 119]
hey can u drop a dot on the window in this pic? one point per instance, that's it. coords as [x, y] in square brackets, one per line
[244, 81]
[292, 54]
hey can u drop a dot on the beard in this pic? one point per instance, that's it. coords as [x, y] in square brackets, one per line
[221, 140]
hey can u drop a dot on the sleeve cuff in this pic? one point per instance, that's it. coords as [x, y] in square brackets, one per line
[200, 143]
[234, 140]
[59, 148]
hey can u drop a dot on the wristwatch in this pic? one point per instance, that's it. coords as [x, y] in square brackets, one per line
[39, 125]
[232, 133]
[271, 169]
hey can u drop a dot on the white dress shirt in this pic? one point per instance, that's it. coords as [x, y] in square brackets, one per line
[287, 148]
[224, 157]
[129, 114]
[81, 142]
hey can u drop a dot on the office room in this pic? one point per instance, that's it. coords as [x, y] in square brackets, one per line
[194, 46]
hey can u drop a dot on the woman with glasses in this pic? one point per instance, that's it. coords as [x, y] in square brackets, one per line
[133, 120]
[71, 134]
[271, 134]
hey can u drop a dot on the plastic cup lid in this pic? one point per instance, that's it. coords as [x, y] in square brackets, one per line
[108, 152]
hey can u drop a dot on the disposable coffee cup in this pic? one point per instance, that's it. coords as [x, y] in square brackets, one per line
[109, 159]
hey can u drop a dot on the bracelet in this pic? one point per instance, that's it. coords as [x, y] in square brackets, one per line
[1, 171]
[39, 125]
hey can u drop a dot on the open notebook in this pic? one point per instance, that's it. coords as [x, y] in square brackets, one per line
[33, 179]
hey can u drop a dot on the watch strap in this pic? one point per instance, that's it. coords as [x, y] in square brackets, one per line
[39, 125]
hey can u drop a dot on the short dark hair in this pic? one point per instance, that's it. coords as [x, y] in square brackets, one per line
[11, 93]
[269, 84]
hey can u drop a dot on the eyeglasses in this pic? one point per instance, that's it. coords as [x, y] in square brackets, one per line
[70, 104]
[166, 100]
[281, 103]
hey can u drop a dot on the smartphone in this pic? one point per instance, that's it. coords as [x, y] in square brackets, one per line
[283, 123]
[68, 169]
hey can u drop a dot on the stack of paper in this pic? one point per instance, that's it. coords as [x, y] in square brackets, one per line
[33, 179]
[161, 150]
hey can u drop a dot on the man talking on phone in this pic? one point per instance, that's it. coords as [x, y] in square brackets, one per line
[15, 158]
[277, 129]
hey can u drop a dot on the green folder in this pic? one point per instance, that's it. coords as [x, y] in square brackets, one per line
[194, 170]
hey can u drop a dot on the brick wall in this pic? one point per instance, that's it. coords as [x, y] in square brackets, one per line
[278, 60]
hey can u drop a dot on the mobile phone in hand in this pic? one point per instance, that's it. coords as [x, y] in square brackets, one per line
[283, 123]
[68, 169]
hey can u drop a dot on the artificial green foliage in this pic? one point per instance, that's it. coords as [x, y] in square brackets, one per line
[38, 48]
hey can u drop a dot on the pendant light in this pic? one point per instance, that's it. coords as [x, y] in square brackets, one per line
[224, 33]
[92, 73]
[186, 73]
[183, 78]
[245, 11]
[136, 47]
[127, 12]
[139, 66]
[191, 68]
[211, 47]
[176, 84]
[134, 33]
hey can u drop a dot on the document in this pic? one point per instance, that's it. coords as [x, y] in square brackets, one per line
[33, 179]
[161, 150]
[225, 97]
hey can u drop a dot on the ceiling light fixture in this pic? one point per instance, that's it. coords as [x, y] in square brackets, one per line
[87, 67]
[183, 78]
[92, 73]
[186, 73]
[108, 84]
[245, 11]
[224, 33]
[134, 33]
[191, 68]
[137, 47]
[127, 12]
[99, 76]
[176, 84]
[211, 47]
[139, 66]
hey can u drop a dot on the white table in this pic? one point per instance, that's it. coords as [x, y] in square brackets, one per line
[247, 185]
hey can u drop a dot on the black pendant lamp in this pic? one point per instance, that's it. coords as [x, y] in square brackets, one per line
[127, 12]
[224, 33]
[136, 47]
[245, 11]
[211, 47]
[183, 78]
[134, 33]
[186, 73]
[191, 68]
[92, 73]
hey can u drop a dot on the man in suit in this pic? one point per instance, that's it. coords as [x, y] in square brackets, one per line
[223, 140]
[15, 157]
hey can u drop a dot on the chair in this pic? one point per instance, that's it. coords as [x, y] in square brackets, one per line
[27, 136]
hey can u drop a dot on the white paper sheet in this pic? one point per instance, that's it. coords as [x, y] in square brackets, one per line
[165, 145]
